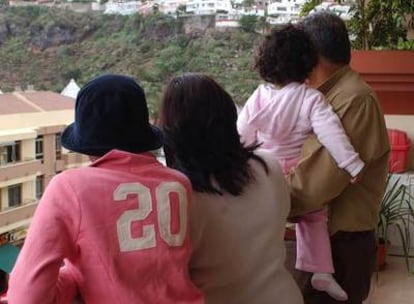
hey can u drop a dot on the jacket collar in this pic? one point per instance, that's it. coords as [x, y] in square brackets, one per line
[325, 87]
[125, 161]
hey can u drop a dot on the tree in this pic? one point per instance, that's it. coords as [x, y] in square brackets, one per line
[358, 25]
[380, 23]
[262, 25]
[248, 23]
[181, 9]
[308, 6]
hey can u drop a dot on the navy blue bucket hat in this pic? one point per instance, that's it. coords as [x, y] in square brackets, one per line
[111, 113]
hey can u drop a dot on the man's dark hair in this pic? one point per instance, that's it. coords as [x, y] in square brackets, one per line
[329, 35]
[286, 55]
[199, 118]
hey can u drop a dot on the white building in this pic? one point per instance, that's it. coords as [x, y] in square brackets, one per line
[121, 7]
[250, 11]
[342, 10]
[284, 11]
[205, 7]
[170, 7]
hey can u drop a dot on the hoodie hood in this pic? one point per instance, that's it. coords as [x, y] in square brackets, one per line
[280, 109]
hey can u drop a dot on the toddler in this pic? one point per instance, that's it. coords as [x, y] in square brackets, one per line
[281, 114]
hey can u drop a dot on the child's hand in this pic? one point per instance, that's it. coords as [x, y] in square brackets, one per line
[355, 179]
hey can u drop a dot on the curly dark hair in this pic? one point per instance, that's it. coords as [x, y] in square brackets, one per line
[286, 55]
[198, 118]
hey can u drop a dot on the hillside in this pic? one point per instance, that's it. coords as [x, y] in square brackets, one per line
[47, 47]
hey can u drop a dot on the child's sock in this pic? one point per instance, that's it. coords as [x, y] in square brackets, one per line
[326, 282]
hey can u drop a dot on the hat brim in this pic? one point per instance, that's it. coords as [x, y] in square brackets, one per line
[71, 141]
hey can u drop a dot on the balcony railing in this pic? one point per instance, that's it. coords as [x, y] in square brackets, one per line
[19, 169]
[15, 217]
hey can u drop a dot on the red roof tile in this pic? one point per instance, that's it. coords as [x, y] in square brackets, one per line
[10, 104]
[38, 101]
[50, 101]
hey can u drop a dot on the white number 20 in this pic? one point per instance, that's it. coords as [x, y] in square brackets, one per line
[148, 240]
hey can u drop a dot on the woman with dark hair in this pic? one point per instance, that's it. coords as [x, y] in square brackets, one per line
[282, 114]
[241, 199]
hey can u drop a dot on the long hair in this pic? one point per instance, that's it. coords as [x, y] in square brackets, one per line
[199, 118]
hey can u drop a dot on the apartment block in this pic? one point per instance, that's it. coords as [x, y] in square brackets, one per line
[30, 154]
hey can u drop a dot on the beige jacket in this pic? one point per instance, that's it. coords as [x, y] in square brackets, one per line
[238, 248]
[318, 181]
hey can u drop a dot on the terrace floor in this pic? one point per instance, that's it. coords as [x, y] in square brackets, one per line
[393, 285]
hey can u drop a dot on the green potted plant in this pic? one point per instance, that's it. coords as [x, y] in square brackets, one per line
[395, 210]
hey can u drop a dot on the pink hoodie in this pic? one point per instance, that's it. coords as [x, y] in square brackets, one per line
[282, 119]
[121, 228]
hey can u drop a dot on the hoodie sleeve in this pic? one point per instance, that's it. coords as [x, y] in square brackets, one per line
[329, 131]
[246, 130]
[37, 276]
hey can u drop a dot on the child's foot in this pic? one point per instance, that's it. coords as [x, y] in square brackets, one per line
[326, 282]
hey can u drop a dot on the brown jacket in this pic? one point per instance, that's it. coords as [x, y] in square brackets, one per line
[318, 181]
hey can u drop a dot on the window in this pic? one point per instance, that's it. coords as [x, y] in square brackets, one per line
[10, 152]
[15, 195]
[39, 147]
[58, 145]
[40, 182]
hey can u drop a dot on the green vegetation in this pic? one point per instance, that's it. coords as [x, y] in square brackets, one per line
[308, 6]
[248, 23]
[396, 211]
[47, 47]
[376, 24]
[379, 24]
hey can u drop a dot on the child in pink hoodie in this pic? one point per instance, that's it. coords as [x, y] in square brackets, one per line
[281, 115]
[120, 225]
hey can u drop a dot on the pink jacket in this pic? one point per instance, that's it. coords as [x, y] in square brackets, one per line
[282, 119]
[119, 226]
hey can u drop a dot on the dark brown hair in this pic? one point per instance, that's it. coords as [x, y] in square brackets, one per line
[198, 118]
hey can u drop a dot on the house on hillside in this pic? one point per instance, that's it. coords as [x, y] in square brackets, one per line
[122, 7]
[342, 10]
[284, 11]
[208, 7]
[169, 7]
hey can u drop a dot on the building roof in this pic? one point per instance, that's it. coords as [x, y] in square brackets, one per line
[10, 104]
[31, 102]
[50, 101]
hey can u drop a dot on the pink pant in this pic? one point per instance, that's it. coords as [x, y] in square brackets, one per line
[313, 245]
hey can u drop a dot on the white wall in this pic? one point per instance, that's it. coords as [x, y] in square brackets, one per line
[404, 123]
